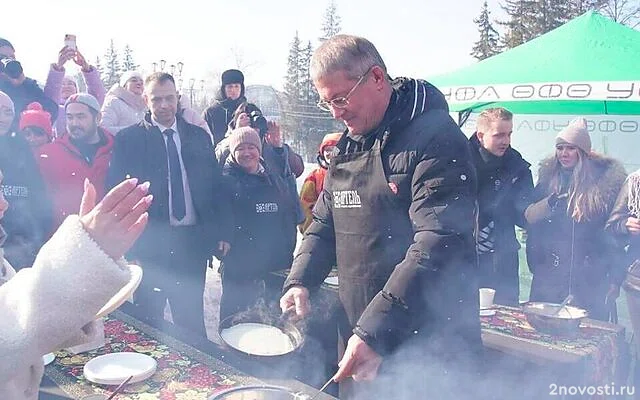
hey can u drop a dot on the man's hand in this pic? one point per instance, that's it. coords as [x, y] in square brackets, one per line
[359, 361]
[296, 299]
[633, 225]
[119, 219]
[274, 136]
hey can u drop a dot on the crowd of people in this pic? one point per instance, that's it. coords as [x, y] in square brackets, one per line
[415, 216]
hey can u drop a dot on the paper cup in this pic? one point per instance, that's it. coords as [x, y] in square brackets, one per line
[486, 297]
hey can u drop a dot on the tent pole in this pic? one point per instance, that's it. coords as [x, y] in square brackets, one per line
[463, 116]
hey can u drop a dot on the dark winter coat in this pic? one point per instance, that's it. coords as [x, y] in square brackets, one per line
[264, 234]
[426, 294]
[139, 151]
[28, 219]
[26, 93]
[220, 114]
[565, 255]
[504, 193]
[618, 218]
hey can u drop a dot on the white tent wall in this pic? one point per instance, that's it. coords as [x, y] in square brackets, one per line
[617, 136]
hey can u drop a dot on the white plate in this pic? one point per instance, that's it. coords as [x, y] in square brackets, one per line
[487, 312]
[114, 368]
[331, 280]
[124, 294]
[48, 358]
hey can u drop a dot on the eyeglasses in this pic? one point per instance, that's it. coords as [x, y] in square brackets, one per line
[341, 102]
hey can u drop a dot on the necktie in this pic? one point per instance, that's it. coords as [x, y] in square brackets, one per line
[175, 175]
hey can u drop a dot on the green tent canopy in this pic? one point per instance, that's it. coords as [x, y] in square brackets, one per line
[590, 65]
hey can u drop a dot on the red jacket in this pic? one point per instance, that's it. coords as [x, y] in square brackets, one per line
[64, 169]
[311, 189]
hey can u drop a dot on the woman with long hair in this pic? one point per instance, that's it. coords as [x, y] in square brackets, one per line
[568, 251]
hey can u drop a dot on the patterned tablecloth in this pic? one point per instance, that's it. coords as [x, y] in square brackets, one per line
[183, 373]
[596, 344]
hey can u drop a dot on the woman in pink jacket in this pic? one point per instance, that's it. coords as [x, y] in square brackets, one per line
[59, 87]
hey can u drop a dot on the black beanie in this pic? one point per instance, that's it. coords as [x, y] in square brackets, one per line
[232, 76]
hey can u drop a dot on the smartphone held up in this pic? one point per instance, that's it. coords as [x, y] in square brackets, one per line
[70, 41]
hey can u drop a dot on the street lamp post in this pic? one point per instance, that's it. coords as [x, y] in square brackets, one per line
[203, 93]
[192, 82]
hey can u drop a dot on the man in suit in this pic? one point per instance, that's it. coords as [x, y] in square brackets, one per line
[189, 220]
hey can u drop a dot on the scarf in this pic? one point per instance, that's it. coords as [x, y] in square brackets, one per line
[634, 194]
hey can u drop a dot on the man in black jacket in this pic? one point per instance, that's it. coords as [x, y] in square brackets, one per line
[397, 217]
[28, 221]
[188, 219]
[504, 189]
[22, 91]
[231, 95]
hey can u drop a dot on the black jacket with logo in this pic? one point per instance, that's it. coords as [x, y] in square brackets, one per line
[431, 296]
[264, 235]
[28, 220]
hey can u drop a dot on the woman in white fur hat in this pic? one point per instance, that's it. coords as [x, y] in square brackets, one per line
[52, 305]
[568, 251]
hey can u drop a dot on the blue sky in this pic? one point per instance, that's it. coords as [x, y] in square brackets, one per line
[416, 38]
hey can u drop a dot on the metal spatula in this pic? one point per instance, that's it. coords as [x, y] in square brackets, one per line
[563, 304]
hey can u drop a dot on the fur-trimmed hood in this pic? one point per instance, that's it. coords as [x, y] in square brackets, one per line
[610, 176]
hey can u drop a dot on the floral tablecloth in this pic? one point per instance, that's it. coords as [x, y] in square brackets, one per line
[596, 345]
[183, 373]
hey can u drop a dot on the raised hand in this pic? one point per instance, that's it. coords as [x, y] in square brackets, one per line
[64, 55]
[81, 61]
[274, 136]
[117, 221]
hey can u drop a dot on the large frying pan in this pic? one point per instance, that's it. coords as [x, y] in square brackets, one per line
[296, 336]
[257, 392]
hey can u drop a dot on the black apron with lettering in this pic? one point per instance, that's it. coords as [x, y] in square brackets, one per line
[372, 229]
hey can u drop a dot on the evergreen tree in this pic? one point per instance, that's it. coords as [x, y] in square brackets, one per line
[112, 69]
[78, 78]
[293, 90]
[522, 23]
[331, 21]
[100, 69]
[488, 44]
[128, 64]
[579, 7]
[292, 85]
[306, 85]
[551, 14]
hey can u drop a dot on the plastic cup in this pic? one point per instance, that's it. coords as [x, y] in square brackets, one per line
[486, 297]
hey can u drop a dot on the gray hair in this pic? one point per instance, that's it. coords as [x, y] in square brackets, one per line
[353, 55]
